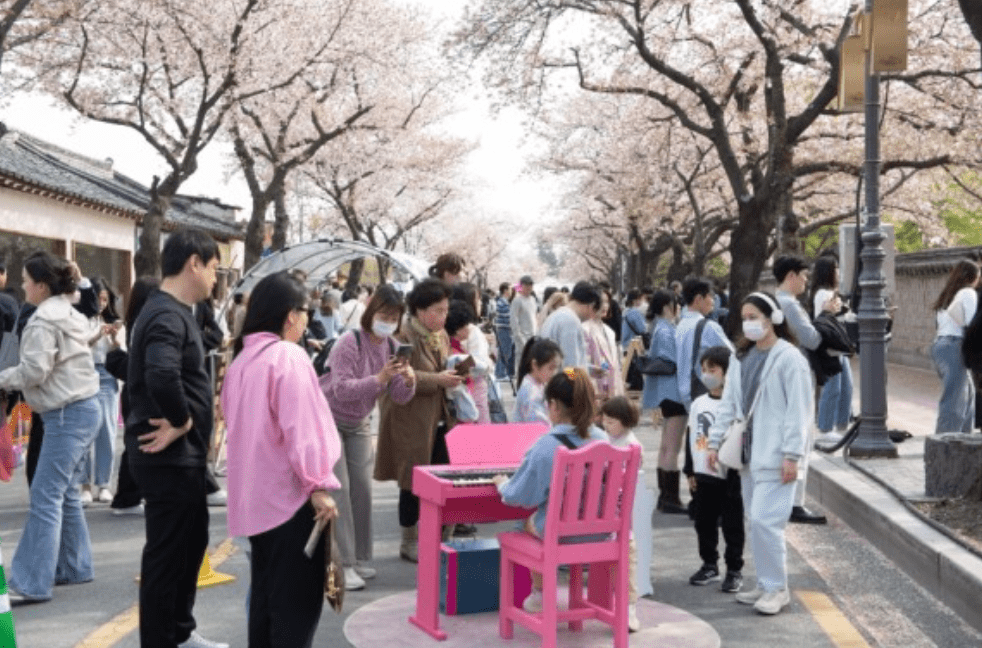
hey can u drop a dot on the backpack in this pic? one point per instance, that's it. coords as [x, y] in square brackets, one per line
[322, 368]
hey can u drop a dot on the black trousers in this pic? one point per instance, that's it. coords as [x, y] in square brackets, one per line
[177, 537]
[127, 491]
[717, 499]
[409, 503]
[287, 587]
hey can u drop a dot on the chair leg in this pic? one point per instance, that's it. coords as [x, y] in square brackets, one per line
[576, 594]
[550, 617]
[506, 602]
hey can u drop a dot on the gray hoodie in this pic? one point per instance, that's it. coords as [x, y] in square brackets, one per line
[56, 366]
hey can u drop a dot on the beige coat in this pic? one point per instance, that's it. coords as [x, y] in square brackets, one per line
[406, 432]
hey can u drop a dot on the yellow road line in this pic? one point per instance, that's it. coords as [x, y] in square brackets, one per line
[113, 631]
[842, 633]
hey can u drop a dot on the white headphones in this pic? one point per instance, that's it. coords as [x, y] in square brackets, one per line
[777, 315]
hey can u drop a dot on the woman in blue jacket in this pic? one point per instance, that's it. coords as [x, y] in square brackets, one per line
[662, 391]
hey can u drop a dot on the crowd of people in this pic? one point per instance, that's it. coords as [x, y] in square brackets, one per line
[323, 360]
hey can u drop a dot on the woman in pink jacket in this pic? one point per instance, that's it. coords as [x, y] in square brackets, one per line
[282, 447]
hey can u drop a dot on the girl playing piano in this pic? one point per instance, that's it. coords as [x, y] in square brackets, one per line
[570, 400]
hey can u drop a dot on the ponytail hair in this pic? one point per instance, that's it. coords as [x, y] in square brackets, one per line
[542, 350]
[55, 272]
[571, 388]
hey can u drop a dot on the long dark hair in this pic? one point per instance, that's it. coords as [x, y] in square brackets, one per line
[962, 275]
[542, 350]
[571, 388]
[270, 302]
[660, 300]
[54, 272]
[109, 314]
[823, 277]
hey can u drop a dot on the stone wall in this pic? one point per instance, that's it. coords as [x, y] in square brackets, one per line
[920, 279]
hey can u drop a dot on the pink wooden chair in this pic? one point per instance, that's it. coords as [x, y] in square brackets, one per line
[591, 494]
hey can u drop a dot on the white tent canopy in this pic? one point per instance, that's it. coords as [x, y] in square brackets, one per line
[321, 258]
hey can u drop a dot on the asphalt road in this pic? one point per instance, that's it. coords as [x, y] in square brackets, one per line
[873, 596]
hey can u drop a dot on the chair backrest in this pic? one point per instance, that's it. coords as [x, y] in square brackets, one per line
[592, 491]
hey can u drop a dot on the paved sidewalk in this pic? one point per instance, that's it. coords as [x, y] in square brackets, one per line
[942, 566]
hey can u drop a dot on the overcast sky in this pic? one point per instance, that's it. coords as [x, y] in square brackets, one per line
[496, 166]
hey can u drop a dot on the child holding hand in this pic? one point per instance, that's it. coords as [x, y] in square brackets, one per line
[714, 496]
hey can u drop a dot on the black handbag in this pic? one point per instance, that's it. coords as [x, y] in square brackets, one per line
[657, 366]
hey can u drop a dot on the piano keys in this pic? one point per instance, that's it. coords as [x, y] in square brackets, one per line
[463, 492]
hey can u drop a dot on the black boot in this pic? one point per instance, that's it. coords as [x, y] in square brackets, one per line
[671, 502]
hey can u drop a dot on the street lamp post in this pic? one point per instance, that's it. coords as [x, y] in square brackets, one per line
[873, 439]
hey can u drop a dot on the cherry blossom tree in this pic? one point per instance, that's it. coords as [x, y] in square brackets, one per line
[388, 181]
[171, 70]
[751, 80]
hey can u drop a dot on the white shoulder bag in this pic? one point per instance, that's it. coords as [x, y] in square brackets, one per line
[731, 450]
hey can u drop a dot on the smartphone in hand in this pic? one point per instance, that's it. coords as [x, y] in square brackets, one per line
[404, 352]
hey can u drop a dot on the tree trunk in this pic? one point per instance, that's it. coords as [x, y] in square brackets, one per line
[255, 231]
[748, 250]
[281, 223]
[383, 269]
[146, 261]
[354, 274]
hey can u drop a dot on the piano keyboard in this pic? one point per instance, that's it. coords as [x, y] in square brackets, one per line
[472, 476]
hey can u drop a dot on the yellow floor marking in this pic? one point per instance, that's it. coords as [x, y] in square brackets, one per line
[113, 631]
[842, 633]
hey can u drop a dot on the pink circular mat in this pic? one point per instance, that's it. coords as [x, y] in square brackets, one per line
[384, 624]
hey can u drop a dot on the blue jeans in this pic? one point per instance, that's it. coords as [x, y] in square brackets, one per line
[956, 411]
[105, 438]
[505, 365]
[55, 546]
[835, 403]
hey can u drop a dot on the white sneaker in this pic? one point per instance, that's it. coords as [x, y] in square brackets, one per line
[218, 498]
[197, 641]
[633, 623]
[533, 603]
[772, 602]
[352, 581]
[129, 510]
[105, 496]
[750, 597]
[85, 496]
[365, 572]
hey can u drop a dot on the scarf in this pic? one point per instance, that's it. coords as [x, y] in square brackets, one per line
[435, 341]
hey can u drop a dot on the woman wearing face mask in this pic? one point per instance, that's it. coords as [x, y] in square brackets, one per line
[772, 371]
[361, 367]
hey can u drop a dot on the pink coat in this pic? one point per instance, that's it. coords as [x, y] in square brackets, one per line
[282, 442]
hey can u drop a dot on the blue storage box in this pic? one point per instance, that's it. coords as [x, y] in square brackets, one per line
[470, 572]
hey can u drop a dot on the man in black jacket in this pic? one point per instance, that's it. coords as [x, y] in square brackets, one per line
[168, 433]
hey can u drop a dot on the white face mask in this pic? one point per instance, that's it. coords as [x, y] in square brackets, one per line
[711, 381]
[383, 329]
[754, 330]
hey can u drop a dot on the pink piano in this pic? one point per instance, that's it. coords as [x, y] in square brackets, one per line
[463, 492]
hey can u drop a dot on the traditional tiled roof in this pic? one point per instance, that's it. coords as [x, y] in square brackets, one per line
[34, 166]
